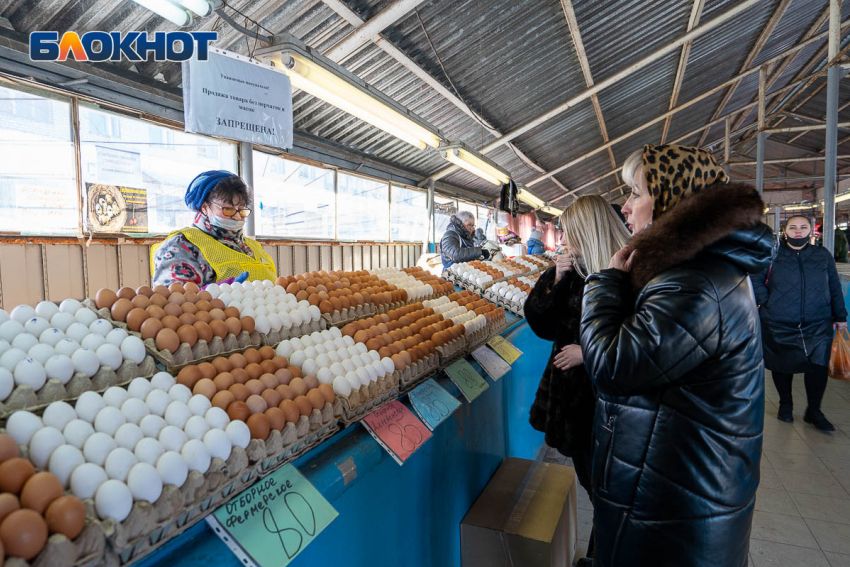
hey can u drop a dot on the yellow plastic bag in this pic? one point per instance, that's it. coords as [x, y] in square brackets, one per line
[839, 359]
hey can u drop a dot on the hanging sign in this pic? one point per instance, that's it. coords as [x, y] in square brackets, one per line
[118, 167]
[432, 403]
[492, 363]
[505, 349]
[397, 430]
[271, 522]
[465, 377]
[234, 97]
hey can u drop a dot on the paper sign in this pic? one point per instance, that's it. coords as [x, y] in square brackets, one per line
[505, 349]
[276, 518]
[113, 208]
[118, 167]
[432, 403]
[492, 363]
[465, 377]
[397, 430]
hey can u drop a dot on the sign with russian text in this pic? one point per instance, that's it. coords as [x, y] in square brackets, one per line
[397, 430]
[505, 348]
[275, 519]
[234, 97]
[118, 167]
[432, 403]
[465, 377]
[492, 363]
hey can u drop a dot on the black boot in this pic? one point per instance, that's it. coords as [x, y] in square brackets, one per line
[785, 413]
[584, 562]
[816, 418]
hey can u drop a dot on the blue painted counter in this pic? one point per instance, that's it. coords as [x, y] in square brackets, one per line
[392, 515]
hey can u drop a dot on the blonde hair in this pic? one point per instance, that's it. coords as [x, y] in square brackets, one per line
[630, 167]
[592, 228]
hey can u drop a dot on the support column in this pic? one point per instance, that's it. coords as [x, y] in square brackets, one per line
[760, 163]
[834, 75]
[429, 239]
[726, 140]
[246, 172]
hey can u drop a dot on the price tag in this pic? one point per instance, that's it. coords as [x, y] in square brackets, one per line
[465, 377]
[397, 430]
[271, 522]
[492, 363]
[432, 403]
[505, 349]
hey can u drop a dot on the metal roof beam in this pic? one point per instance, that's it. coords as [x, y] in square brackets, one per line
[696, 12]
[370, 31]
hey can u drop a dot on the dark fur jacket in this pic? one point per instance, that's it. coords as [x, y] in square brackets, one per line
[565, 401]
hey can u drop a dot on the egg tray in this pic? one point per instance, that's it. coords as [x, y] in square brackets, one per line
[367, 399]
[477, 338]
[417, 372]
[274, 338]
[25, 398]
[86, 550]
[452, 350]
[512, 306]
[341, 317]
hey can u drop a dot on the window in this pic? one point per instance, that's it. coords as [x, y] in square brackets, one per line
[443, 211]
[293, 199]
[408, 214]
[158, 162]
[362, 208]
[485, 223]
[38, 190]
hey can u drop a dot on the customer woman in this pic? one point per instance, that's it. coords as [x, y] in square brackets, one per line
[214, 248]
[801, 305]
[671, 339]
[456, 245]
[565, 401]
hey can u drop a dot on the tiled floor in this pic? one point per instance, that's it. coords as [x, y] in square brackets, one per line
[802, 516]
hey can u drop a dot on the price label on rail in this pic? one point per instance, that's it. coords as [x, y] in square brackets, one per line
[505, 349]
[432, 403]
[271, 522]
[397, 430]
[465, 377]
[492, 363]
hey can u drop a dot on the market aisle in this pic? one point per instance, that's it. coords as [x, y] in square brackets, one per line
[803, 507]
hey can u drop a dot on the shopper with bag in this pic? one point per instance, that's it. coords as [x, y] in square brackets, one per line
[801, 305]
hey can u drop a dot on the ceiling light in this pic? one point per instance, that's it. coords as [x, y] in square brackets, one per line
[199, 7]
[175, 14]
[551, 210]
[800, 208]
[475, 164]
[527, 197]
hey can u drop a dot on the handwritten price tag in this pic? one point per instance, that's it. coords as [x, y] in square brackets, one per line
[397, 430]
[432, 403]
[505, 349]
[492, 363]
[275, 519]
[465, 377]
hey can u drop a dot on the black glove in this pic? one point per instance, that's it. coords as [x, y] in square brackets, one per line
[485, 253]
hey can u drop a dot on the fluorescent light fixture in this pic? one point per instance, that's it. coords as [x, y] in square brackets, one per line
[199, 7]
[175, 14]
[843, 197]
[800, 208]
[551, 210]
[528, 198]
[475, 164]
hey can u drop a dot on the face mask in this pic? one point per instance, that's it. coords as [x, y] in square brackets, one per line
[227, 224]
[797, 241]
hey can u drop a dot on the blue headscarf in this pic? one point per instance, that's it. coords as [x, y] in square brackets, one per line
[200, 187]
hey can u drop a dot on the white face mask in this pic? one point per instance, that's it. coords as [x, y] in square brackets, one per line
[227, 224]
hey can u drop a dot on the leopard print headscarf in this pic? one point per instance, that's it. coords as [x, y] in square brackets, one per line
[674, 172]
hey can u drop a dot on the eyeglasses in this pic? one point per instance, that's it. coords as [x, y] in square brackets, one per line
[231, 211]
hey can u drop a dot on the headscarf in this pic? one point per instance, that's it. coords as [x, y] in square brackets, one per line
[674, 172]
[200, 187]
[536, 234]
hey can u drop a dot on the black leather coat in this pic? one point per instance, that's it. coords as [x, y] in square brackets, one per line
[456, 245]
[674, 349]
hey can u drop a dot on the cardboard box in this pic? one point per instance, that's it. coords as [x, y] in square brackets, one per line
[525, 516]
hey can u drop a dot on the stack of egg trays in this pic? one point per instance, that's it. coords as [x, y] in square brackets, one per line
[149, 526]
[452, 350]
[86, 550]
[273, 338]
[477, 338]
[367, 399]
[342, 317]
[417, 372]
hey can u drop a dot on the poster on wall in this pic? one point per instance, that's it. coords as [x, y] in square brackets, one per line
[115, 167]
[115, 208]
[234, 97]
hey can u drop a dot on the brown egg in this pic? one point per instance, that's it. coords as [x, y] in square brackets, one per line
[206, 388]
[254, 371]
[290, 411]
[304, 405]
[255, 387]
[158, 300]
[173, 309]
[295, 371]
[204, 295]
[373, 344]
[216, 304]
[256, 404]
[268, 367]
[238, 410]
[170, 322]
[207, 370]
[316, 398]
[8, 504]
[336, 303]
[272, 398]
[218, 328]
[176, 287]
[162, 290]
[326, 306]
[247, 324]
[384, 352]
[203, 316]
[191, 297]
[240, 375]
[105, 298]
[126, 293]
[283, 376]
[302, 295]
[270, 381]
[231, 312]
[186, 319]
[144, 290]
[266, 352]
[327, 392]
[285, 392]
[177, 298]
[204, 331]
[398, 361]
[167, 339]
[280, 361]
[120, 309]
[8, 448]
[221, 364]
[66, 515]
[141, 301]
[345, 302]
[253, 356]
[40, 490]
[277, 419]
[203, 305]
[14, 473]
[298, 386]
[234, 327]
[217, 314]
[259, 426]
[361, 336]
[189, 376]
[311, 381]
[223, 399]
[155, 311]
[23, 533]
[135, 318]
[191, 287]
[187, 334]
[238, 360]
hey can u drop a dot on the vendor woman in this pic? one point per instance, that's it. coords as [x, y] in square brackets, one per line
[214, 248]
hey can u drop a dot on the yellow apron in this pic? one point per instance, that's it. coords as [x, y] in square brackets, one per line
[226, 262]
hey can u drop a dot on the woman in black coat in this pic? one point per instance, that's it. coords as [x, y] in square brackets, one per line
[671, 339]
[801, 304]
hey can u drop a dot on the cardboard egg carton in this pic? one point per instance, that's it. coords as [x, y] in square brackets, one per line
[341, 317]
[273, 338]
[86, 550]
[418, 371]
[477, 338]
[25, 398]
[369, 398]
[451, 350]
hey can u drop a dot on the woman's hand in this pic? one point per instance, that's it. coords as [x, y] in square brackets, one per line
[839, 326]
[569, 357]
[622, 260]
[563, 264]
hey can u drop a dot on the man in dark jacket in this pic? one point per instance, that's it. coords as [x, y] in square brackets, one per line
[456, 245]
[670, 336]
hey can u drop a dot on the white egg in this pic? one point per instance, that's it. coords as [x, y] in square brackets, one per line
[10, 329]
[113, 500]
[172, 468]
[108, 420]
[284, 349]
[226, 298]
[339, 343]
[262, 326]
[109, 355]
[335, 332]
[341, 386]
[172, 438]
[197, 455]
[320, 349]
[85, 316]
[326, 335]
[325, 376]
[139, 388]
[77, 331]
[297, 344]
[177, 413]
[214, 290]
[134, 410]
[218, 444]
[134, 349]
[93, 341]
[63, 461]
[162, 381]
[46, 309]
[389, 365]
[238, 433]
[353, 380]
[307, 341]
[370, 372]
[262, 310]
[88, 405]
[315, 313]
[22, 425]
[349, 341]
[310, 352]
[338, 369]
[119, 462]
[309, 368]
[144, 482]
[323, 361]
[36, 326]
[7, 383]
[101, 327]
[333, 356]
[348, 365]
[180, 393]
[148, 450]
[157, 401]
[298, 357]
[115, 396]
[373, 354]
[378, 368]
[76, 432]
[196, 427]
[22, 313]
[3, 316]
[64, 322]
[67, 347]
[85, 361]
[58, 415]
[365, 358]
[217, 418]
[70, 306]
[275, 322]
[295, 317]
[86, 479]
[363, 376]
[4, 346]
[285, 320]
[43, 443]
[361, 348]
[199, 404]
[29, 372]
[40, 353]
[128, 436]
[151, 425]
[115, 336]
[244, 311]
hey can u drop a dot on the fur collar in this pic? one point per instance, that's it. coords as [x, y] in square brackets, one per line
[691, 226]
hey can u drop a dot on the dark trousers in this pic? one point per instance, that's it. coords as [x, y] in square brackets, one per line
[815, 380]
[582, 462]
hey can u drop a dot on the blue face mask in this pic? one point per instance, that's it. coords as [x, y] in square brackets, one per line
[227, 224]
